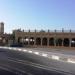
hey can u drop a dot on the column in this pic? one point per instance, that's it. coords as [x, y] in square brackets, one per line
[41, 41]
[16, 39]
[28, 40]
[23, 40]
[47, 41]
[62, 41]
[34, 41]
[70, 42]
[54, 41]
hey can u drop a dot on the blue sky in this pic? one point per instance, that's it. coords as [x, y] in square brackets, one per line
[37, 14]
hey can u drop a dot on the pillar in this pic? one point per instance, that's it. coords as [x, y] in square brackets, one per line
[28, 40]
[62, 41]
[70, 42]
[54, 41]
[16, 39]
[41, 41]
[34, 41]
[47, 41]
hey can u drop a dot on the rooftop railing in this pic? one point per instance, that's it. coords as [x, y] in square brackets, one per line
[46, 31]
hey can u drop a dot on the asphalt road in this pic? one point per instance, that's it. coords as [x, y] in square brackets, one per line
[22, 63]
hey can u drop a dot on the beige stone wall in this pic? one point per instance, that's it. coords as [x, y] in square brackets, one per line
[42, 35]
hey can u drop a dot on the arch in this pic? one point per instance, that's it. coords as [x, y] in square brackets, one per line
[59, 42]
[26, 40]
[31, 41]
[66, 42]
[73, 42]
[38, 41]
[19, 39]
[4, 40]
[0, 39]
[51, 41]
[44, 41]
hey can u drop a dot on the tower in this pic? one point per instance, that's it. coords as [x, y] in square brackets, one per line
[1, 28]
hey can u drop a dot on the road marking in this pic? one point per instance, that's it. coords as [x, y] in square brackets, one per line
[17, 70]
[55, 57]
[71, 60]
[10, 48]
[35, 65]
[14, 48]
[5, 47]
[45, 55]
[2, 47]
[30, 51]
[37, 53]
[24, 50]
[19, 49]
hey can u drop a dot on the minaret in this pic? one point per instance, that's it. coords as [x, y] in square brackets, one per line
[1, 28]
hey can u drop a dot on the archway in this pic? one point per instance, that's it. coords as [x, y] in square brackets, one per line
[38, 41]
[73, 42]
[44, 41]
[19, 39]
[31, 41]
[26, 40]
[59, 42]
[51, 41]
[66, 42]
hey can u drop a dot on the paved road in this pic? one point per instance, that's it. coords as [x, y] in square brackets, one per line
[23, 63]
